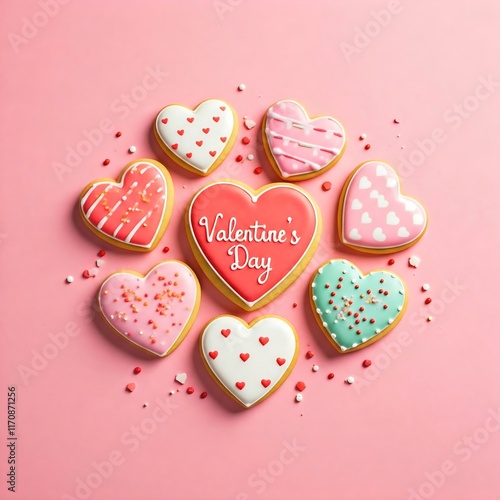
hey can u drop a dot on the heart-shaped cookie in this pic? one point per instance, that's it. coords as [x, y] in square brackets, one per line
[354, 310]
[155, 311]
[133, 212]
[200, 139]
[249, 361]
[374, 216]
[252, 244]
[300, 147]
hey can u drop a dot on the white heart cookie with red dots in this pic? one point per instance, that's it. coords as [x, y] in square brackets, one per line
[200, 139]
[249, 361]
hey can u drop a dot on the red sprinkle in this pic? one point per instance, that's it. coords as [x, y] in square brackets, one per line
[428, 300]
[86, 274]
[137, 370]
[239, 158]
[367, 146]
[118, 134]
[396, 120]
[130, 387]
[106, 161]
[245, 140]
[309, 354]
[367, 363]
[165, 249]
[294, 305]
[391, 262]
[203, 395]
[300, 386]
[326, 186]
[190, 390]
[258, 170]
[101, 253]
[330, 376]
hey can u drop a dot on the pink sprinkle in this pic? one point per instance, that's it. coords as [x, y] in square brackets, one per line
[326, 186]
[130, 387]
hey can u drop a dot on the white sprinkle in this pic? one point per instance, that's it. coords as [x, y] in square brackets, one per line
[362, 136]
[298, 398]
[132, 149]
[425, 287]
[69, 279]
[181, 378]
[414, 261]
[429, 318]
[350, 379]
[315, 368]
[99, 262]
[250, 157]
[241, 87]
[249, 124]
[172, 393]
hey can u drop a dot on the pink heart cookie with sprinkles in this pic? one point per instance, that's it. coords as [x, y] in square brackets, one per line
[300, 147]
[374, 216]
[249, 361]
[155, 311]
[133, 212]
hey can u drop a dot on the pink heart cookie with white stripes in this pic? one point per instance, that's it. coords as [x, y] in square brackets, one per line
[153, 312]
[300, 147]
[374, 216]
[249, 361]
[200, 139]
[132, 212]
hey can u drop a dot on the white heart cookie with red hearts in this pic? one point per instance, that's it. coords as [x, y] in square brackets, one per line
[249, 361]
[374, 216]
[200, 139]
[253, 243]
[132, 212]
[155, 311]
[300, 147]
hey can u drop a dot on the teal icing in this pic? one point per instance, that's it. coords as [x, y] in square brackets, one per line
[336, 281]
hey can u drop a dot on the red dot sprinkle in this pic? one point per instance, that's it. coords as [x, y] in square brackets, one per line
[367, 363]
[391, 262]
[372, 320]
[330, 376]
[258, 170]
[203, 395]
[326, 186]
[190, 390]
[309, 354]
[300, 386]
[239, 158]
[428, 300]
[294, 305]
[106, 162]
[245, 140]
[137, 370]
[396, 120]
[165, 249]
[86, 274]
[367, 146]
[118, 134]
[101, 253]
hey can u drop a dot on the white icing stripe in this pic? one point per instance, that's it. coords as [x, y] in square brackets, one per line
[150, 182]
[144, 170]
[117, 230]
[300, 124]
[334, 151]
[102, 222]
[280, 152]
[137, 227]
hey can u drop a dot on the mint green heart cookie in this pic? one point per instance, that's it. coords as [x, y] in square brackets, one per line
[355, 310]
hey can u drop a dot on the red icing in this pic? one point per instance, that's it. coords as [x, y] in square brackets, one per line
[283, 209]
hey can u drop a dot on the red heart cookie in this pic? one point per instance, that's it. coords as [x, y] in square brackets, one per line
[132, 212]
[253, 244]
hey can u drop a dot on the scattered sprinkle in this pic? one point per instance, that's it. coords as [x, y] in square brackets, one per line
[101, 253]
[172, 393]
[99, 262]
[425, 287]
[93, 272]
[130, 387]
[367, 146]
[118, 134]
[396, 120]
[190, 390]
[350, 379]
[414, 261]
[258, 170]
[250, 157]
[428, 300]
[245, 140]
[181, 378]
[107, 161]
[86, 274]
[239, 158]
[309, 354]
[294, 305]
[315, 368]
[242, 87]
[326, 186]
[391, 262]
[69, 279]
[331, 375]
[203, 395]
[165, 249]
[300, 386]
[367, 363]
[362, 137]
[137, 370]
[249, 124]
[430, 318]
[145, 405]
[298, 398]
[132, 149]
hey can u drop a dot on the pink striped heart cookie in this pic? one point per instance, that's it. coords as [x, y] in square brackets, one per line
[155, 311]
[374, 216]
[200, 139]
[300, 147]
[249, 361]
[132, 212]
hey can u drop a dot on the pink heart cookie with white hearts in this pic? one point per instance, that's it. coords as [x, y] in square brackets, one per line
[300, 147]
[249, 361]
[133, 212]
[155, 311]
[374, 216]
[200, 139]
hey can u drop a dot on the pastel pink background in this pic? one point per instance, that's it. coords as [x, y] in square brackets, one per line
[375, 439]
